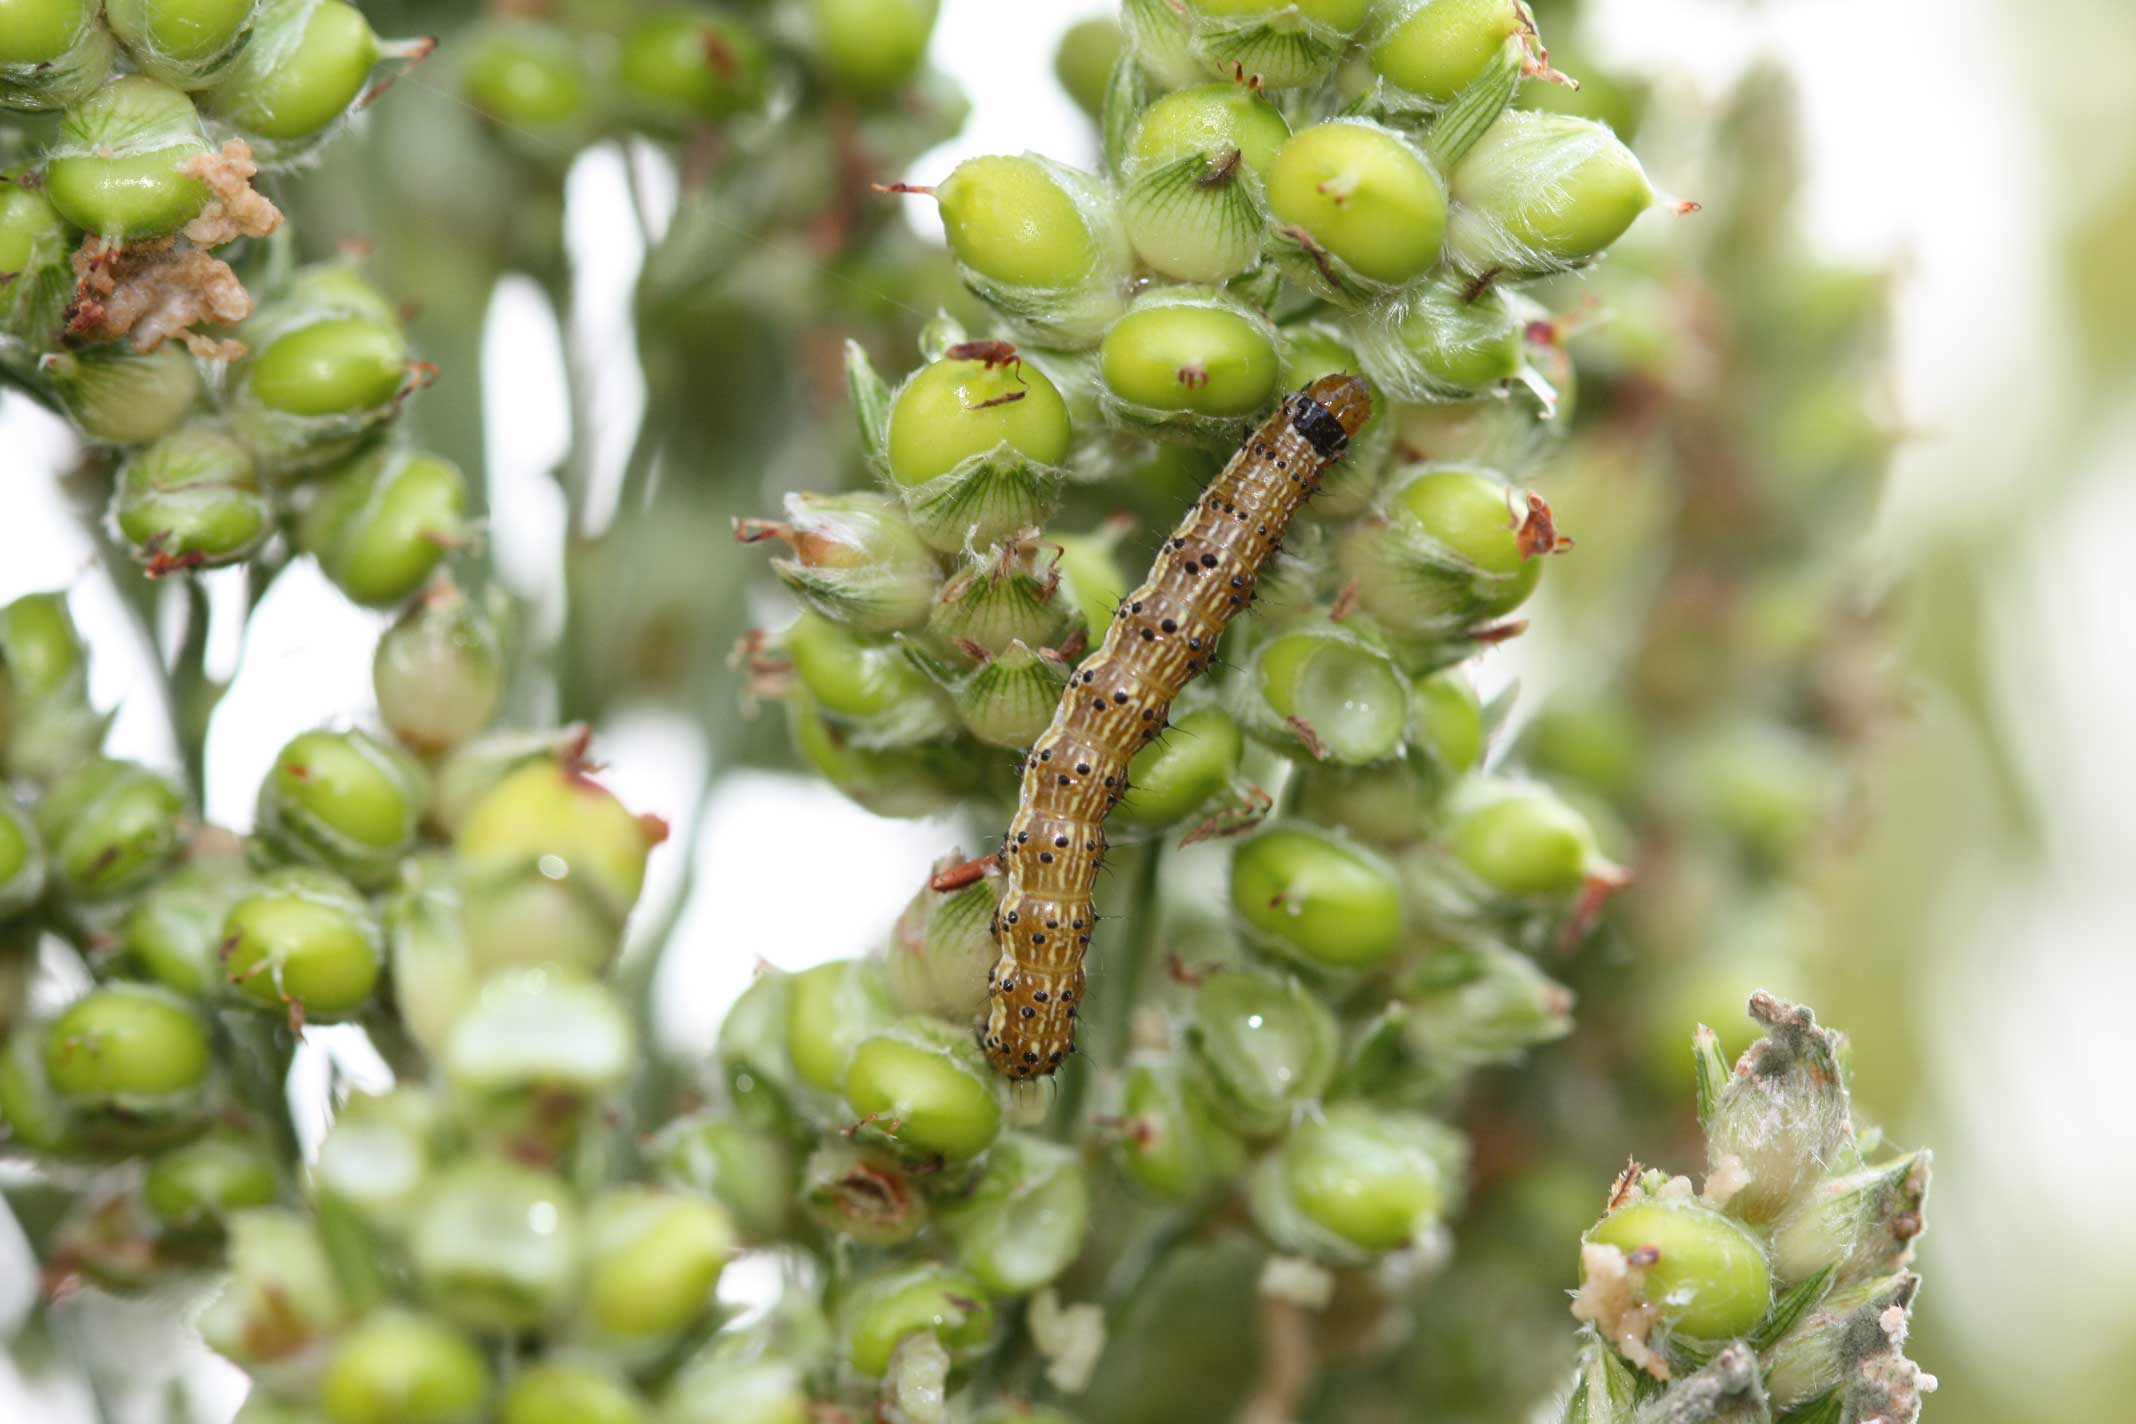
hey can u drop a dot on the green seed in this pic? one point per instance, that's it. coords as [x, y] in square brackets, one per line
[1084, 60]
[1467, 512]
[39, 648]
[1171, 1142]
[52, 53]
[22, 870]
[1172, 778]
[940, 951]
[1525, 841]
[109, 827]
[1389, 806]
[891, 781]
[126, 1046]
[1708, 1275]
[1262, 1045]
[691, 65]
[1172, 355]
[439, 671]
[433, 968]
[175, 929]
[1447, 721]
[753, 1172]
[1540, 192]
[304, 939]
[555, 863]
[1209, 120]
[1375, 1178]
[1011, 220]
[1363, 194]
[31, 1109]
[343, 800]
[195, 1188]
[884, 1309]
[496, 1245]
[1024, 1221]
[1193, 166]
[1447, 344]
[870, 684]
[1343, 699]
[656, 1256]
[1435, 47]
[1447, 558]
[29, 225]
[382, 522]
[952, 410]
[115, 395]
[925, 1079]
[751, 1056]
[560, 1393]
[1321, 900]
[306, 63]
[39, 31]
[332, 367]
[1092, 578]
[398, 1367]
[870, 48]
[192, 499]
[831, 1008]
[527, 77]
[118, 168]
[186, 43]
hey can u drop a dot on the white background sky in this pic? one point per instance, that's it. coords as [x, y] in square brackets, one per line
[1921, 148]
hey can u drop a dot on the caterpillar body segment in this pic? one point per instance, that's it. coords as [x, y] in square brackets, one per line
[1116, 701]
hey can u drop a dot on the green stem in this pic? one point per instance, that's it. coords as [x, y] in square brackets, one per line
[261, 1074]
[191, 702]
[1123, 976]
[638, 975]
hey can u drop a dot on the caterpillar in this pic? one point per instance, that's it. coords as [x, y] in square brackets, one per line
[1161, 637]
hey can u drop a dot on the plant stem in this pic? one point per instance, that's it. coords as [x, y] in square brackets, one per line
[1124, 978]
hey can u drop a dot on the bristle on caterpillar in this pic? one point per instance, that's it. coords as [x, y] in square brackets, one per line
[1116, 701]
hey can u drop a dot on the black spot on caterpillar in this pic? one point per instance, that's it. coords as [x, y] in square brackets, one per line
[1116, 701]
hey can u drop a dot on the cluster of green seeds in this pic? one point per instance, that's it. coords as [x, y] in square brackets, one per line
[1779, 1289]
[1288, 192]
[1282, 1023]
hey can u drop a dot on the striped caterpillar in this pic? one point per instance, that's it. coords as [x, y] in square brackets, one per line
[1116, 701]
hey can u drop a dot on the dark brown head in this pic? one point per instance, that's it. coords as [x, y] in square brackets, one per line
[1331, 410]
[1346, 398]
